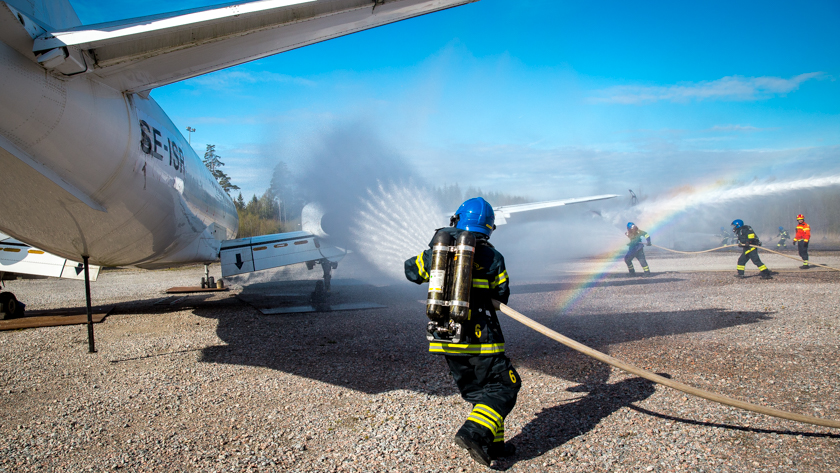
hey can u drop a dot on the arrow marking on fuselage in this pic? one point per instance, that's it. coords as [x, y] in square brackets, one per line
[238, 261]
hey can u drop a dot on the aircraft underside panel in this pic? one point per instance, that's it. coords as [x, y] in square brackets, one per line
[246, 255]
[18, 257]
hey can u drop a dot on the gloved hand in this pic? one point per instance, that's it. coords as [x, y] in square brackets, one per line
[648, 243]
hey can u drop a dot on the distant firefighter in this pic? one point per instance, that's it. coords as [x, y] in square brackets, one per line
[783, 237]
[748, 241]
[726, 237]
[803, 235]
[636, 248]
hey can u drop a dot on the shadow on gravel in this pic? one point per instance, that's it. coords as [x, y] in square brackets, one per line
[371, 351]
[557, 425]
[734, 427]
[613, 281]
[600, 331]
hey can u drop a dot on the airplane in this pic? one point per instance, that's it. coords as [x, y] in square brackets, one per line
[94, 169]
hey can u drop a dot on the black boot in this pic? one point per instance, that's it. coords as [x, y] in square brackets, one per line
[766, 275]
[478, 453]
[740, 276]
[501, 450]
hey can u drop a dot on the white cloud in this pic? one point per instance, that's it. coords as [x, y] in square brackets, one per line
[227, 79]
[745, 128]
[734, 88]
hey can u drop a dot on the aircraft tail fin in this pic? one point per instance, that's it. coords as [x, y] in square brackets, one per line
[18, 257]
[246, 255]
[139, 54]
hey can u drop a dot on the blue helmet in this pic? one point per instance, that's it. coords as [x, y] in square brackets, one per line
[781, 229]
[630, 225]
[476, 215]
[738, 223]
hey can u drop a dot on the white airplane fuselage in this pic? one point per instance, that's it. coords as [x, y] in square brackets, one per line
[86, 170]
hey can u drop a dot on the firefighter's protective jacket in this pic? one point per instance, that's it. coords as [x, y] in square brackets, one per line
[746, 236]
[636, 235]
[803, 232]
[482, 332]
[783, 235]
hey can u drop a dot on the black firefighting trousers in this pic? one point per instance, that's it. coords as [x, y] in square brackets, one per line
[636, 251]
[490, 384]
[803, 251]
[750, 253]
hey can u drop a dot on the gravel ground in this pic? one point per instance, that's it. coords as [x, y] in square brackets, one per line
[208, 383]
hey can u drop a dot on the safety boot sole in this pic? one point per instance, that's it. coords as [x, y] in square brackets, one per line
[474, 449]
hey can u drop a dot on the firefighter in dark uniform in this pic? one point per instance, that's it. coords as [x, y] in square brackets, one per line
[803, 236]
[482, 372]
[636, 248]
[748, 241]
[783, 237]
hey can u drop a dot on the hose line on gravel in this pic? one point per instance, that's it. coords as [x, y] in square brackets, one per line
[719, 398]
[729, 246]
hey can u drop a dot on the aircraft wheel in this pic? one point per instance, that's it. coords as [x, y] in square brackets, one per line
[8, 305]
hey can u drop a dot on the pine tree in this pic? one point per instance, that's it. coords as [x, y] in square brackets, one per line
[214, 163]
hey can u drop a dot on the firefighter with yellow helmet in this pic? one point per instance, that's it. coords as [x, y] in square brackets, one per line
[467, 332]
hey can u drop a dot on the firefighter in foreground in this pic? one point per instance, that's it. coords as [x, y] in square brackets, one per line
[748, 241]
[803, 235]
[636, 248]
[468, 334]
[783, 237]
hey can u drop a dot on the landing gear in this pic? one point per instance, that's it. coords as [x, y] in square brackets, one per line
[207, 281]
[322, 288]
[10, 307]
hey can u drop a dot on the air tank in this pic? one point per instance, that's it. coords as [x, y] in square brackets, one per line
[462, 265]
[436, 301]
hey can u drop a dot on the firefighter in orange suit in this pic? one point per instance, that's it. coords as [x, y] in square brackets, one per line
[803, 235]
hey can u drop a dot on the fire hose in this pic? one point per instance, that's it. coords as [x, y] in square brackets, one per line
[602, 357]
[730, 246]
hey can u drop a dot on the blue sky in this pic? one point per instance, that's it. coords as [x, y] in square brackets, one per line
[541, 98]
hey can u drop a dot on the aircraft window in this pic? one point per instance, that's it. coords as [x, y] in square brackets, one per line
[303, 242]
[281, 245]
[260, 248]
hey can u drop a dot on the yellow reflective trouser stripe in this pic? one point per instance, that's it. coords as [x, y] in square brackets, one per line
[500, 435]
[481, 283]
[646, 268]
[467, 349]
[491, 414]
[482, 421]
[741, 268]
[502, 277]
[748, 251]
[420, 267]
[762, 267]
[486, 416]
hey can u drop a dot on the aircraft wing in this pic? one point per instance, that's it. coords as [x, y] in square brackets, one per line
[503, 212]
[140, 54]
[18, 257]
[246, 255]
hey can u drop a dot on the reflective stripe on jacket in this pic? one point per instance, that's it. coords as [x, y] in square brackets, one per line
[803, 232]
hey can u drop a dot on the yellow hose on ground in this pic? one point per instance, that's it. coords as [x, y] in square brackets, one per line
[719, 398]
[729, 246]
